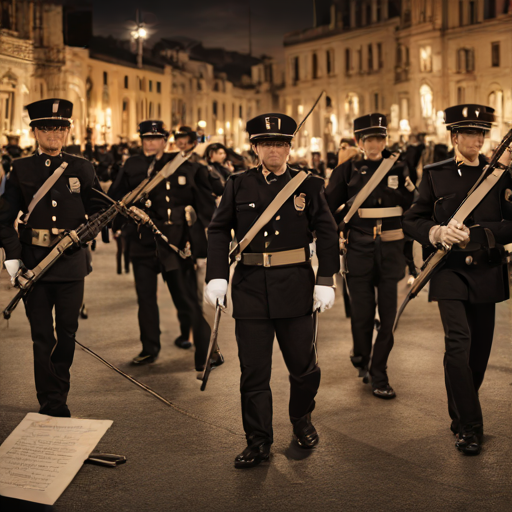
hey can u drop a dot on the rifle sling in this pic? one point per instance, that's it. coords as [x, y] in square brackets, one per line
[45, 188]
[372, 184]
[268, 214]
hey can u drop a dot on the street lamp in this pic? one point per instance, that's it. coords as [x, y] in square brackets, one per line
[139, 34]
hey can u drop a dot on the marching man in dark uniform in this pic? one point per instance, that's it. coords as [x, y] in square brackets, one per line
[374, 258]
[64, 206]
[474, 276]
[175, 205]
[273, 288]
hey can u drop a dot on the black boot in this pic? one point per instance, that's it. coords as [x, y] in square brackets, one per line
[469, 442]
[304, 432]
[252, 456]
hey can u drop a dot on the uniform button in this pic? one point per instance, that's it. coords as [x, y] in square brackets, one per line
[167, 198]
[54, 203]
[54, 218]
[252, 205]
[86, 217]
[167, 185]
[148, 203]
[469, 260]
[265, 234]
[278, 217]
[277, 232]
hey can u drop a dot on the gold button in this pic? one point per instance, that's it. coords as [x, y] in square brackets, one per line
[469, 260]
[167, 185]
[54, 218]
[277, 232]
[278, 217]
[54, 203]
[265, 234]
[86, 217]
[167, 198]
[48, 163]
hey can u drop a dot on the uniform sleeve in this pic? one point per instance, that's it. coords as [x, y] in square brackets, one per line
[417, 221]
[337, 191]
[93, 203]
[502, 230]
[13, 203]
[203, 195]
[323, 224]
[219, 235]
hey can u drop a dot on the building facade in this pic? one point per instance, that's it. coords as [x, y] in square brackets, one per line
[409, 60]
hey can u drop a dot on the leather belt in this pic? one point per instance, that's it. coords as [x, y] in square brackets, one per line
[40, 237]
[392, 235]
[276, 259]
[380, 213]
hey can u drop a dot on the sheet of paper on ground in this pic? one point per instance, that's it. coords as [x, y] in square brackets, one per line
[43, 454]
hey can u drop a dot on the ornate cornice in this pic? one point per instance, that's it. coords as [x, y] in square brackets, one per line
[22, 49]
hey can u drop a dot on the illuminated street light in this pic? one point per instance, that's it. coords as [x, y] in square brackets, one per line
[201, 124]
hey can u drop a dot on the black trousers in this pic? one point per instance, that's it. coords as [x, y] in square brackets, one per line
[255, 339]
[54, 343]
[182, 285]
[363, 302]
[469, 330]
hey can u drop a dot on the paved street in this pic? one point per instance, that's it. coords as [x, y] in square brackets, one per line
[374, 455]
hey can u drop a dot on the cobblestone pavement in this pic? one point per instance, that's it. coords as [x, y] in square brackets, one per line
[373, 454]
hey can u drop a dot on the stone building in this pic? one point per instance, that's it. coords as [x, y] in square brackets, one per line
[408, 60]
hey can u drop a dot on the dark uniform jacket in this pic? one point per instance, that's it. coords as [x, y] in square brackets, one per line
[476, 273]
[274, 292]
[346, 182]
[65, 207]
[188, 186]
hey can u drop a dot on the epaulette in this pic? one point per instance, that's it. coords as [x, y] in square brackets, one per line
[235, 174]
[80, 157]
[437, 164]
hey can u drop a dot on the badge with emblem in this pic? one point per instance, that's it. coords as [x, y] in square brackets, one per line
[74, 185]
[182, 180]
[148, 203]
[300, 202]
[393, 182]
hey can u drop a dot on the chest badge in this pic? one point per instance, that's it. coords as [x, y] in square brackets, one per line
[148, 203]
[300, 202]
[393, 182]
[182, 180]
[48, 163]
[74, 185]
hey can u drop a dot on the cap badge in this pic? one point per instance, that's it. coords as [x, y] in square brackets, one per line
[272, 123]
[465, 112]
[477, 112]
[55, 106]
[380, 121]
[300, 202]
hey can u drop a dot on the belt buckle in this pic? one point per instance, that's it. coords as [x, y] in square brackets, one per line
[266, 259]
[377, 230]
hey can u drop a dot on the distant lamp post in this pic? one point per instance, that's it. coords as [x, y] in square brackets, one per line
[139, 34]
[201, 124]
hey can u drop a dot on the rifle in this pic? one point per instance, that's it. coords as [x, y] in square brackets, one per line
[213, 347]
[76, 237]
[489, 177]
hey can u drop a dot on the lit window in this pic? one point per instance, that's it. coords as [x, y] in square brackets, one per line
[426, 59]
[427, 101]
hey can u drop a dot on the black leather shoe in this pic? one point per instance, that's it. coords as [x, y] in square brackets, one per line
[469, 443]
[182, 342]
[217, 360]
[60, 411]
[252, 456]
[143, 358]
[386, 392]
[305, 433]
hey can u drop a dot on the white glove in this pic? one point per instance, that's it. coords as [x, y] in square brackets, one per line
[215, 291]
[12, 267]
[323, 298]
[454, 233]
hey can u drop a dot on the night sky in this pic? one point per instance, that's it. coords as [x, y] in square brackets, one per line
[217, 23]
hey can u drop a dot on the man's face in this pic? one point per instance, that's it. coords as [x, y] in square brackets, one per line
[273, 154]
[153, 145]
[469, 143]
[184, 144]
[373, 146]
[51, 138]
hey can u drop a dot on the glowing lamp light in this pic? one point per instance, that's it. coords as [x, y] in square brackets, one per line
[220, 131]
[228, 125]
[140, 33]
[300, 110]
[404, 126]
[201, 124]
